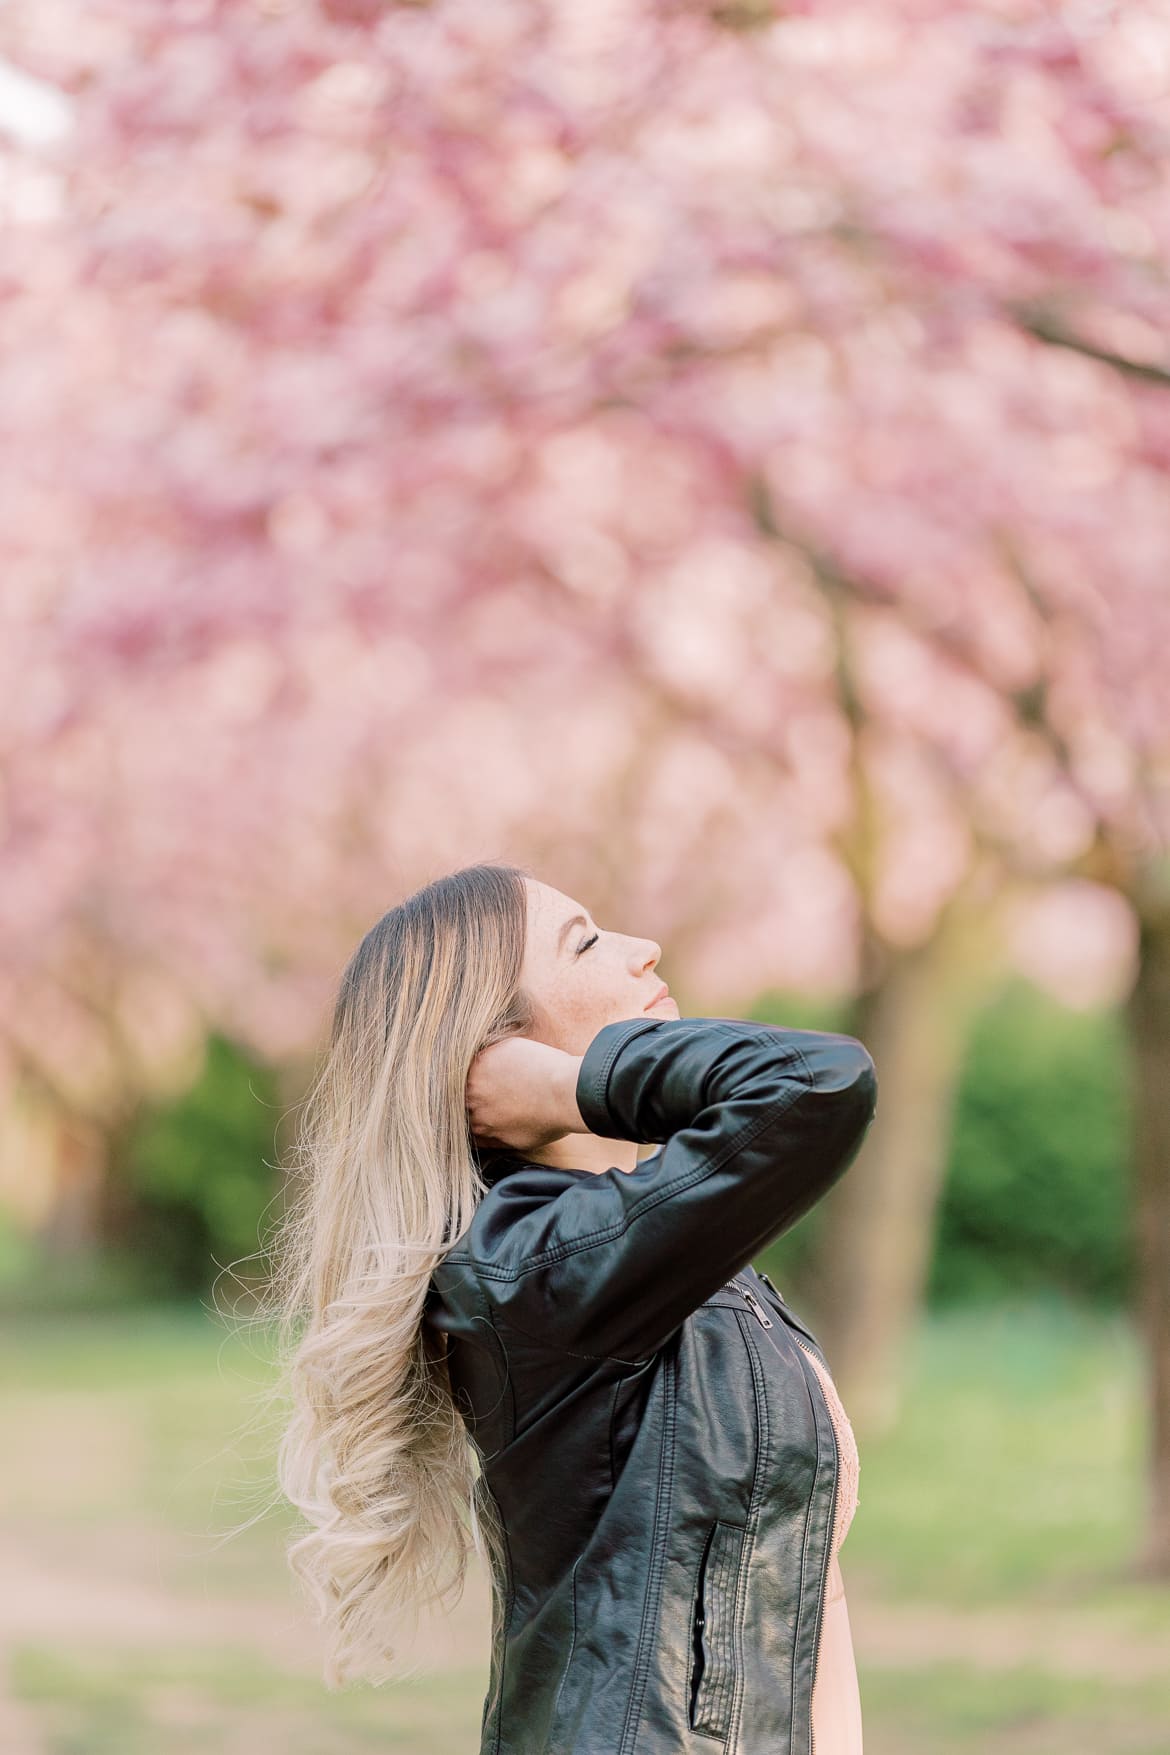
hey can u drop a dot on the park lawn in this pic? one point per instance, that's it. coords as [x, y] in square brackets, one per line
[1015, 1472]
[1006, 1503]
[179, 1701]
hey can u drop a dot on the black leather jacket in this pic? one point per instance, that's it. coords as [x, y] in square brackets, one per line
[657, 1446]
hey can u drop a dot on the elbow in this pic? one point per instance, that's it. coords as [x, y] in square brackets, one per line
[816, 1136]
[841, 1070]
[851, 1077]
[839, 1102]
[865, 1084]
[852, 1102]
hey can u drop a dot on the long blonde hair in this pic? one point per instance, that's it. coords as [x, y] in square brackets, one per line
[375, 1454]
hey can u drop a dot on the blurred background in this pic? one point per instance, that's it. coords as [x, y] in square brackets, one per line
[715, 455]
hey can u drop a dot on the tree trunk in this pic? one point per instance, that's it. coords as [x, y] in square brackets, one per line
[877, 1224]
[72, 1229]
[1148, 1021]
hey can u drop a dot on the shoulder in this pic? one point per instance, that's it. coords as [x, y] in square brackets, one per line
[518, 1218]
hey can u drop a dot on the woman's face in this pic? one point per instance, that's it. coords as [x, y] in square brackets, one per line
[579, 976]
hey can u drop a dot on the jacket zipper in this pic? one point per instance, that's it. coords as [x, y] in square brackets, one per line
[758, 1311]
[765, 1321]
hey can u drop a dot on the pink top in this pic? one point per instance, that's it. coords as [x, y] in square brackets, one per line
[836, 1701]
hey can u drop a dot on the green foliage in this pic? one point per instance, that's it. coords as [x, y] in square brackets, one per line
[201, 1173]
[1038, 1191]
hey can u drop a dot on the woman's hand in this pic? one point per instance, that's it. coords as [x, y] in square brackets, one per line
[523, 1094]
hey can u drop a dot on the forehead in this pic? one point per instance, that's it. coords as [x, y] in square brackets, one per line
[549, 908]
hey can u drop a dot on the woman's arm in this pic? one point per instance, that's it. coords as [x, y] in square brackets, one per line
[758, 1121]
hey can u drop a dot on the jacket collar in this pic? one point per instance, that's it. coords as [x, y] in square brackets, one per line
[495, 1162]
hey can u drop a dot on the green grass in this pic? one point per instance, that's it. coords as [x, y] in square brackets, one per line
[949, 1709]
[187, 1702]
[1018, 1459]
[1009, 1496]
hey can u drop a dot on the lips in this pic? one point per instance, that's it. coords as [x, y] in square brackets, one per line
[663, 993]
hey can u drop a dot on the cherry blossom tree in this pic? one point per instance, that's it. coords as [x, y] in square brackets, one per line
[715, 451]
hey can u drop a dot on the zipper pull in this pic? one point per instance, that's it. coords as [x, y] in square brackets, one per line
[758, 1311]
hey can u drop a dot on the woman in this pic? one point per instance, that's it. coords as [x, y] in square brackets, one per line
[519, 1337]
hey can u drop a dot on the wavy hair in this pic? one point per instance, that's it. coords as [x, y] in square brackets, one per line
[384, 1180]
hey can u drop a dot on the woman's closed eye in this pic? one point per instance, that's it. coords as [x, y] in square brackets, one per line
[587, 943]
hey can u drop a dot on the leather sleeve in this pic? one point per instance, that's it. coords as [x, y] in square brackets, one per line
[757, 1122]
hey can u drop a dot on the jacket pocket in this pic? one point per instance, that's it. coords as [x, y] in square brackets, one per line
[713, 1631]
[572, 1633]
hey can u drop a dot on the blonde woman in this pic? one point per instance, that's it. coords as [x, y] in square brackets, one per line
[513, 1336]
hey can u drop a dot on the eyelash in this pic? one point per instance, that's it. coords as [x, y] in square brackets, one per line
[587, 943]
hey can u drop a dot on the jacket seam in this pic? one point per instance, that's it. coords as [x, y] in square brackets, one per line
[572, 1636]
[601, 1077]
[570, 1352]
[653, 1592]
[510, 1571]
[508, 1384]
[505, 1626]
[752, 1521]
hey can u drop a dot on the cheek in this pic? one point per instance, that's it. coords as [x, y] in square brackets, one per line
[608, 986]
[584, 997]
[588, 991]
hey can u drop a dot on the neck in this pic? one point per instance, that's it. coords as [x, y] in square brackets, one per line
[586, 1151]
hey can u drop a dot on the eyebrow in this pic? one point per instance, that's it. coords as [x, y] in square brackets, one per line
[573, 921]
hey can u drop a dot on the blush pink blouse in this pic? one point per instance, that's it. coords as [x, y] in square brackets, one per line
[836, 1701]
